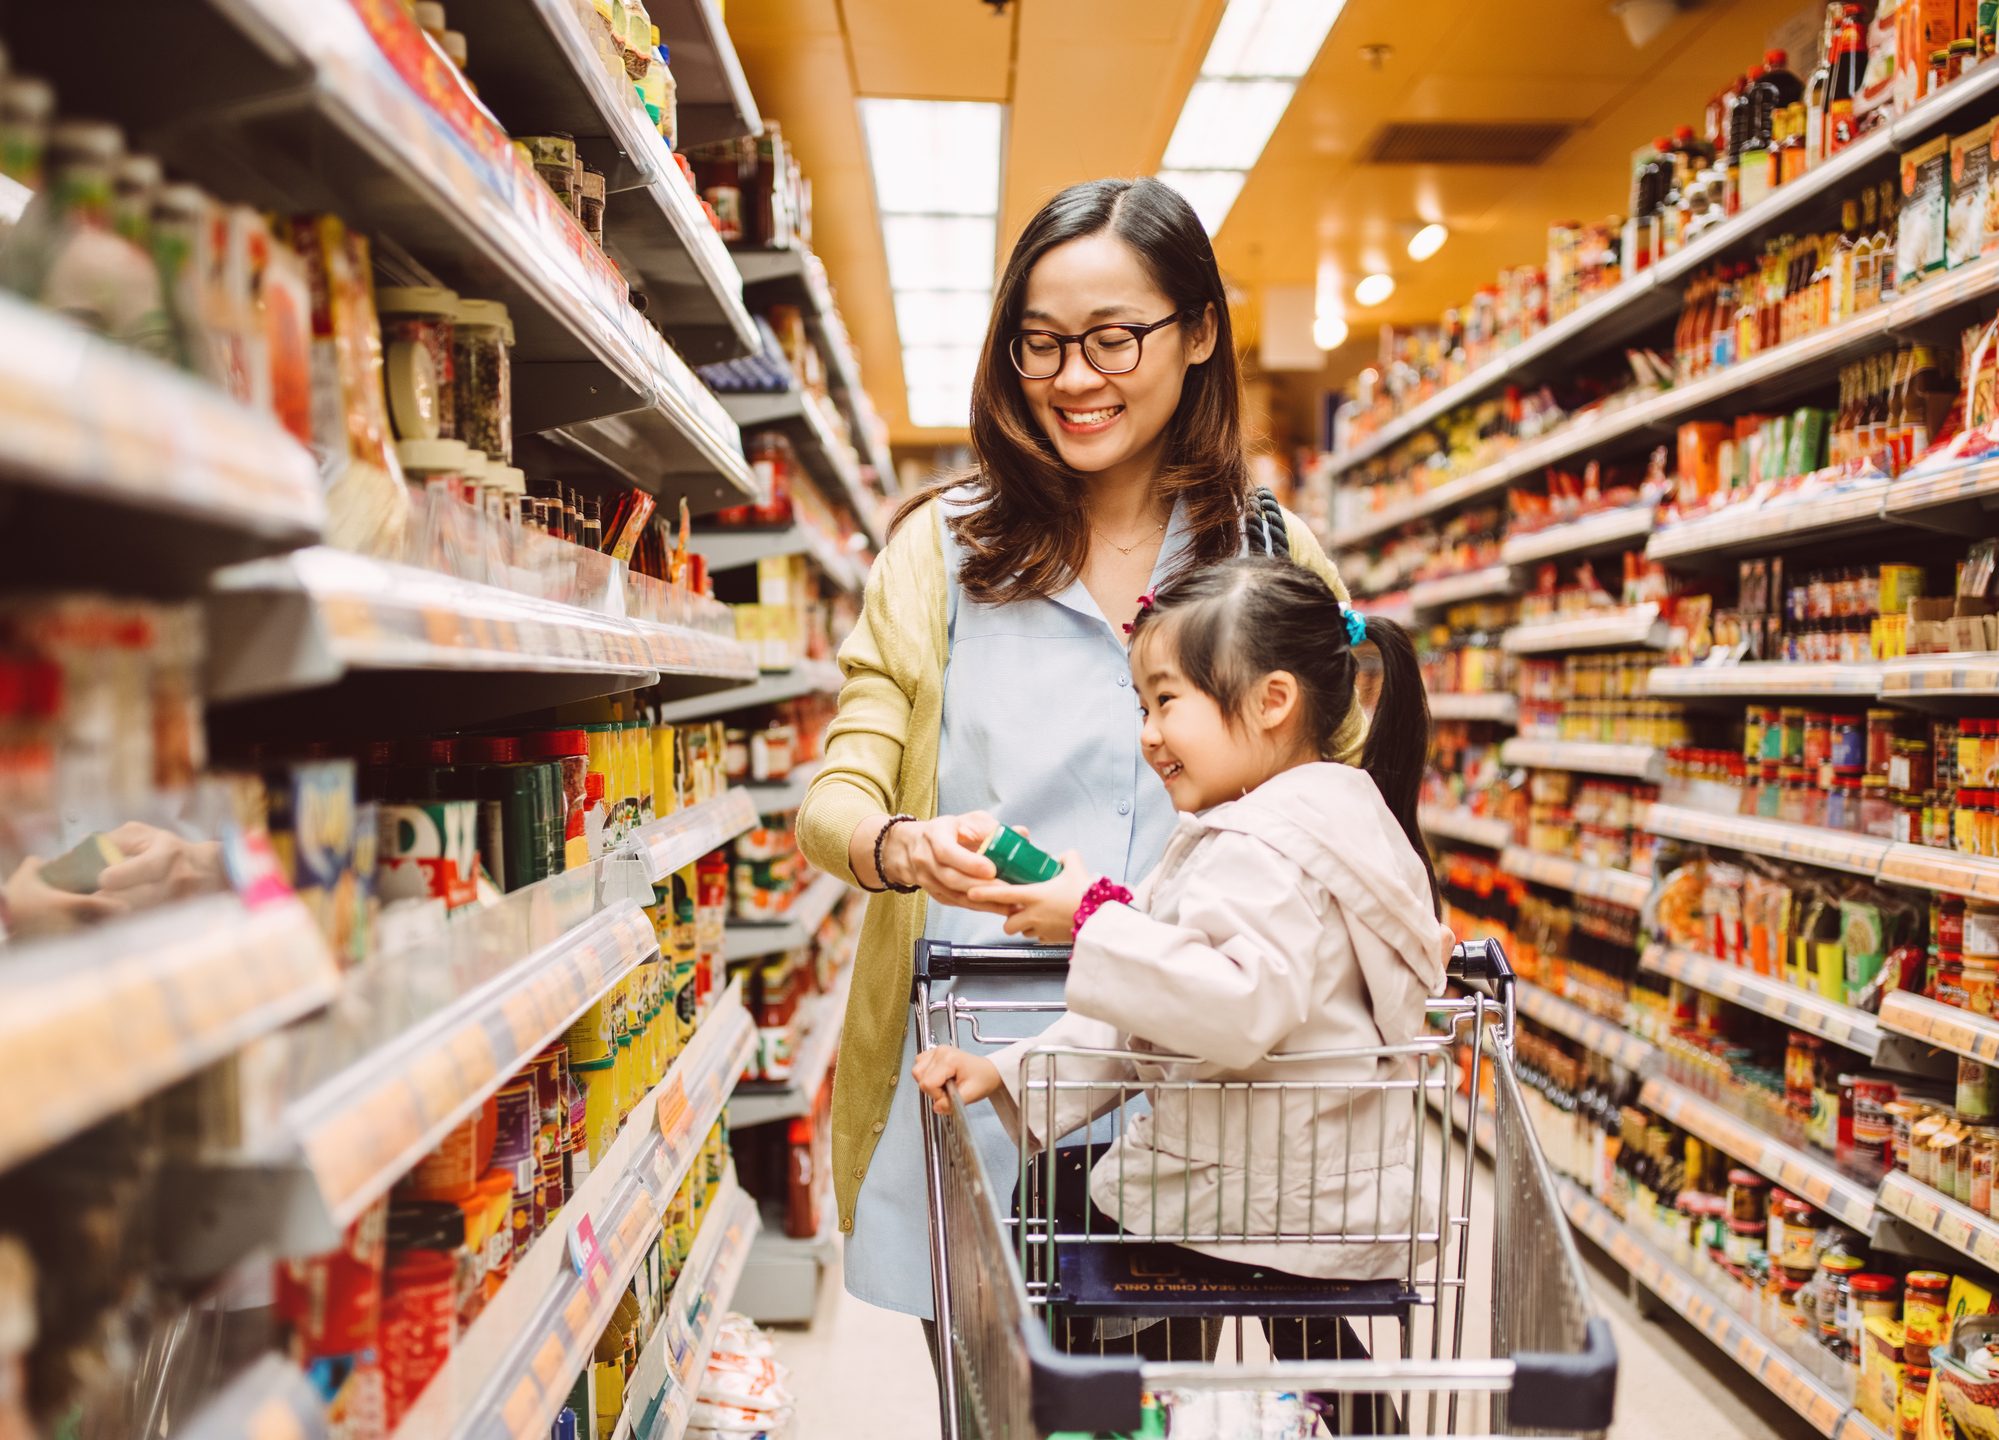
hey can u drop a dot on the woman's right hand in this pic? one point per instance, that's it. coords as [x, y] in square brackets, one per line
[942, 858]
[937, 1067]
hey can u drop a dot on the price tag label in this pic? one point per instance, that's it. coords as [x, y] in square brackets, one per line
[550, 1364]
[518, 1413]
[273, 1420]
[584, 1254]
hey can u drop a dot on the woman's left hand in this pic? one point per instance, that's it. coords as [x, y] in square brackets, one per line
[1047, 911]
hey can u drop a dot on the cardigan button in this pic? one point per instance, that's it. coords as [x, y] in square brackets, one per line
[879, 1127]
[860, 1172]
[846, 1224]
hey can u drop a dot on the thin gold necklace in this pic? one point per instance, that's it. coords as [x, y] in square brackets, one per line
[1127, 549]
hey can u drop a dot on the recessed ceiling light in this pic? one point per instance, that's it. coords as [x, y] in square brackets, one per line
[1427, 241]
[1373, 289]
[1329, 332]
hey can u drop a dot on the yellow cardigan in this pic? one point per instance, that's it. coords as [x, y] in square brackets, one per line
[881, 757]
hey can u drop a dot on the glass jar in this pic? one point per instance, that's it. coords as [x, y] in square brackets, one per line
[417, 363]
[1914, 1399]
[590, 204]
[1925, 1309]
[1801, 1233]
[1875, 1296]
[1835, 1300]
[1984, 1148]
[556, 161]
[1748, 1197]
[482, 339]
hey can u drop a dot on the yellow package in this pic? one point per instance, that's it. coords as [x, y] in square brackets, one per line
[1880, 1387]
[1968, 1297]
[665, 797]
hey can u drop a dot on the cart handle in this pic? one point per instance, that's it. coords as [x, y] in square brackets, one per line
[946, 960]
[1481, 960]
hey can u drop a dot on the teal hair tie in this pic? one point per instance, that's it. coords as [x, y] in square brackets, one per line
[1356, 627]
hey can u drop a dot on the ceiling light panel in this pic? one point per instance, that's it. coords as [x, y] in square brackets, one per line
[1212, 193]
[1226, 123]
[1270, 38]
[942, 317]
[1427, 241]
[934, 157]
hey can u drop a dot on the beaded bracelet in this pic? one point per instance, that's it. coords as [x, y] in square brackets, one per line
[1105, 891]
[881, 838]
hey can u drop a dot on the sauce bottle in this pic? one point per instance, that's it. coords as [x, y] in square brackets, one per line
[1849, 64]
[1819, 86]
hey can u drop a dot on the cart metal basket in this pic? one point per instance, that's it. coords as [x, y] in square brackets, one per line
[1037, 1293]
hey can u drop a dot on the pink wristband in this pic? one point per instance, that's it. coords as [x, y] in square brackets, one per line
[1105, 891]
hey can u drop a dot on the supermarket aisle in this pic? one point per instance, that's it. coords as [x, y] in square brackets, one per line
[860, 1372]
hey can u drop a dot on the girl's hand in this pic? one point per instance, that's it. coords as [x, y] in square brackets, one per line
[1047, 911]
[977, 1077]
[942, 857]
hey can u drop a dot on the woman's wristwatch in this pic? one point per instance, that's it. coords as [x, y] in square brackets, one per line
[887, 885]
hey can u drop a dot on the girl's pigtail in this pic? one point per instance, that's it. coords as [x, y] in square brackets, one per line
[1398, 738]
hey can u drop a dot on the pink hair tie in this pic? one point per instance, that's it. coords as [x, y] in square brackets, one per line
[1144, 604]
[1105, 891]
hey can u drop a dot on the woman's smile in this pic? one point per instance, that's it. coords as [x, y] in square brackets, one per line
[1088, 422]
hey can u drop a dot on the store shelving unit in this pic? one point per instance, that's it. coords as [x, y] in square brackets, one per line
[713, 98]
[830, 461]
[1846, 1199]
[1606, 530]
[1757, 678]
[1637, 762]
[1492, 583]
[1458, 825]
[1781, 524]
[1792, 1382]
[1807, 844]
[746, 940]
[1565, 872]
[1941, 677]
[271, 1400]
[1631, 627]
[1948, 1027]
[807, 677]
[762, 1102]
[175, 477]
[190, 983]
[776, 797]
[676, 841]
[1495, 706]
[1592, 1032]
[727, 549]
[1855, 1030]
[511, 1370]
[668, 1374]
[795, 276]
[1937, 1215]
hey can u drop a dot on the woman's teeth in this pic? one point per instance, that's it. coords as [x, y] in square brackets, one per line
[1092, 417]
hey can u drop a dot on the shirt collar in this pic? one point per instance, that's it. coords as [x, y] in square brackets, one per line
[1076, 595]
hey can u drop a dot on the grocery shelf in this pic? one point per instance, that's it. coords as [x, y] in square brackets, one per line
[174, 478]
[1784, 521]
[729, 549]
[1636, 626]
[1712, 1315]
[1807, 844]
[1444, 824]
[1947, 1027]
[539, 71]
[1500, 707]
[669, 1373]
[511, 1370]
[1775, 678]
[1957, 676]
[1853, 1029]
[1968, 489]
[746, 940]
[272, 1400]
[795, 276]
[1652, 294]
[676, 841]
[827, 458]
[1564, 872]
[1606, 530]
[1639, 762]
[417, 641]
[1936, 1214]
[363, 1129]
[775, 797]
[1592, 1032]
[1392, 606]
[1925, 867]
[760, 1103]
[1481, 1123]
[670, 450]
[189, 984]
[1818, 1180]
[712, 98]
[1493, 582]
[807, 677]
[1478, 484]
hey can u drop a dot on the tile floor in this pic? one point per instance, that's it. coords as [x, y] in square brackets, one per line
[861, 1372]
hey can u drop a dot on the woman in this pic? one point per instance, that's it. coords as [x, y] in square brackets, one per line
[988, 675]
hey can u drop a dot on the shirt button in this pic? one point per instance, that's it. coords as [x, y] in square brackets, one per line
[1123, 680]
[860, 1172]
[1124, 807]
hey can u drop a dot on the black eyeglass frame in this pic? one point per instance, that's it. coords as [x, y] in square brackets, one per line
[1138, 332]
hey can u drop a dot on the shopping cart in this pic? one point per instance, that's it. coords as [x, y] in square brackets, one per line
[1016, 1271]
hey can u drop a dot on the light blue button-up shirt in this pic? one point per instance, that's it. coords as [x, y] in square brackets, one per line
[1040, 728]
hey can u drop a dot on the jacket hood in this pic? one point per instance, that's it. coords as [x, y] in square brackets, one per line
[1330, 820]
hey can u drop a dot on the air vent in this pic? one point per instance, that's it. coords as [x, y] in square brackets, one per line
[1457, 142]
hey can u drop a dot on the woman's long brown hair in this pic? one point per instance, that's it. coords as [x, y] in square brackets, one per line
[1026, 533]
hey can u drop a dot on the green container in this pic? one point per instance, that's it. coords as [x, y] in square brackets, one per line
[1018, 862]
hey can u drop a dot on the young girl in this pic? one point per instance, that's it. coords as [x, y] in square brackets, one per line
[1294, 910]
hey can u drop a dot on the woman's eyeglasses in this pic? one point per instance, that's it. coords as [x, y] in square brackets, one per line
[1111, 349]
